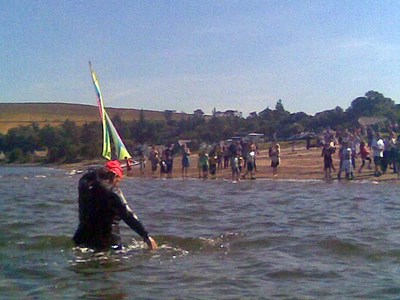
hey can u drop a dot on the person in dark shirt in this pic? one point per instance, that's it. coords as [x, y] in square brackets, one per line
[327, 152]
[102, 205]
[169, 159]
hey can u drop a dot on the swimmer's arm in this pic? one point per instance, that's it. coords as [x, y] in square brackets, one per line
[133, 222]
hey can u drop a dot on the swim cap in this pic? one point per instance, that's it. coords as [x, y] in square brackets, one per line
[115, 167]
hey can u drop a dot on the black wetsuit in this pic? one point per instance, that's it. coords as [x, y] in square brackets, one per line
[101, 208]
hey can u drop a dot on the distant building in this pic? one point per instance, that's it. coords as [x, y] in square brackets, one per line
[198, 113]
[228, 113]
[40, 153]
[253, 114]
[255, 137]
[252, 136]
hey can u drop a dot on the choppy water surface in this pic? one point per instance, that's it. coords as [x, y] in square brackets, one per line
[257, 239]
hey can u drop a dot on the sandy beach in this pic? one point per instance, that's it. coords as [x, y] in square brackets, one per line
[298, 164]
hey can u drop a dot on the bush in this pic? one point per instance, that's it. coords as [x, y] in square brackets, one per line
[15, 155]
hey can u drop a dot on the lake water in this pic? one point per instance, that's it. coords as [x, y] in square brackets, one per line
[260, 239]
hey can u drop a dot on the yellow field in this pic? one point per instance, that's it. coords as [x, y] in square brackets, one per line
[16, 114]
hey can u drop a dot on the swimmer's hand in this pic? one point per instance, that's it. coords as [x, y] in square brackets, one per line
[151, 243]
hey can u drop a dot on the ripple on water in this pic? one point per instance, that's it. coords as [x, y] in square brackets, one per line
[251, 240]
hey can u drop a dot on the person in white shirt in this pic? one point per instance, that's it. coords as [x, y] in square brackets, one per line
[377, 149]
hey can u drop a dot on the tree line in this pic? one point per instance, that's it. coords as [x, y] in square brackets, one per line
[71, 143]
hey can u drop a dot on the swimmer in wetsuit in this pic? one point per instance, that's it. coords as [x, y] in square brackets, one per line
[101, 207]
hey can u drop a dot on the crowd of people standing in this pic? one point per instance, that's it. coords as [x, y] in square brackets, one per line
[370, 147]
[356, 152]
[239, 157]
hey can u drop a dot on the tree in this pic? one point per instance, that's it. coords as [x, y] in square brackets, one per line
[70, 142]
[50, 136]
[252, 123]
[54, 139]
[2, 143]
[90, 140]
[71, 131]
[279, 106]
[168, 116]
[182, 127]
[117, 121]
[24, 137]
[294, 124]
[334, 118]
[72, 152]
[16, 155]
[274, 120]
[373, 104]
[296, 128]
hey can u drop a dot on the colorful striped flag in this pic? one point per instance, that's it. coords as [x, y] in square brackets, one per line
[108, 126]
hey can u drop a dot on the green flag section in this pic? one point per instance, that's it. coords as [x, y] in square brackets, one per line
[120, 148]
[109, 130]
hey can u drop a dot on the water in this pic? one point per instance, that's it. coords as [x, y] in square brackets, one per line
[261, 239]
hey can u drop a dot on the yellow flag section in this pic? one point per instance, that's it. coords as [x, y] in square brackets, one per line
[109, 130]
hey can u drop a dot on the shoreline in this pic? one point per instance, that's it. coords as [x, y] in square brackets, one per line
[301, 164]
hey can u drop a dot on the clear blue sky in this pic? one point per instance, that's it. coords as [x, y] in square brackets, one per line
[183, 55]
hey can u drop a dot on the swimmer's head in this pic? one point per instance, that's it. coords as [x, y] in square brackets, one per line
[115, 167]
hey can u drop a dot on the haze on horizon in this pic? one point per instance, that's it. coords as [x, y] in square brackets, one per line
[185, 55]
